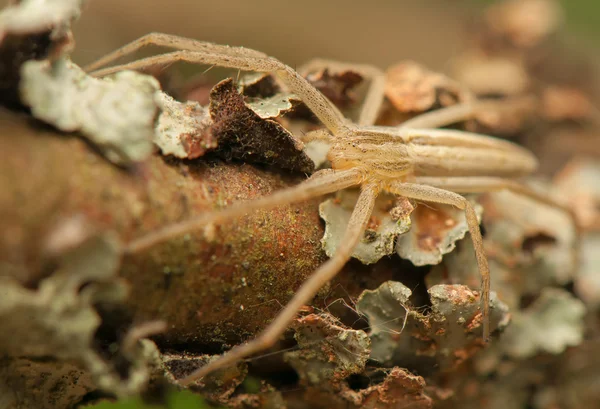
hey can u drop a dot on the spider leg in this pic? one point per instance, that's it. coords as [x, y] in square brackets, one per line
[354, 231]
[170, 41]
[468, 110]
[475, 184]
[248, 60]
[375, 94]
[318, 185]
[481, 184]
[437, 195]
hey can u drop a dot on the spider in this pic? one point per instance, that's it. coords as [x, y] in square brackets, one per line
[413, 160]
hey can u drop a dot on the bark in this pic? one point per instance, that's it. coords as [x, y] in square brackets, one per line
[212, 294]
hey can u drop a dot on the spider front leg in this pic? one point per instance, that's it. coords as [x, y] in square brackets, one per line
[436, 195]
[324, 274]
[238, 58]
[165, 40]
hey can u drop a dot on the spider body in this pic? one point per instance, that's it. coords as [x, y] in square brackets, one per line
[398, 153]
[414, 160]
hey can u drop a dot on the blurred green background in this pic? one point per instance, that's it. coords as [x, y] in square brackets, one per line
[582, 16]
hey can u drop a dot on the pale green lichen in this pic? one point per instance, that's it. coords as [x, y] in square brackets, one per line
[116, 113]
[34, 16]
[529, 245]
[59, 320]
[182, 129]
[397, 329]
[424, 245]
[378, 240]
[551, 324]
[273, 107]
[329, 352]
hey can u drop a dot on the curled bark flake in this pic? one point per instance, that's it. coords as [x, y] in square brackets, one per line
[243, 134]
[183, 129]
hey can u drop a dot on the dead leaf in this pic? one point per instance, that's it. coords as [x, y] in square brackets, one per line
[410, 87]
[243, 134]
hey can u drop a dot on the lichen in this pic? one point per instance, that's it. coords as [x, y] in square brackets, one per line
[183, 128]
[328, 352]
[59, 320]
[435, 229]
[551, 324]
[35, 16]
[529, 245]
[117, 113]
[449, 333]
[389, 220]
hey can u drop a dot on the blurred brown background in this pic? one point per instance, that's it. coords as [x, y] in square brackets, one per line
[380, 32]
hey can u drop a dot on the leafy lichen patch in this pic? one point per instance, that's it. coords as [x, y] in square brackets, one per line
[329, 352]
[117, 113]
[183, 128]
[35, 16]
[435, 230]
[449, 333]
[551, 324]
[59, 320]
[389, 220]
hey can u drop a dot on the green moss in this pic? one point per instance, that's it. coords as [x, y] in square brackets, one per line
[174, 400]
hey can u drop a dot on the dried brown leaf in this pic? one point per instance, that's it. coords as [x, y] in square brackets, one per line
[410, 87]
[242, 133]
[338, 86]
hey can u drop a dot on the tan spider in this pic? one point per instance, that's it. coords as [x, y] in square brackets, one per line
[430, 165]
